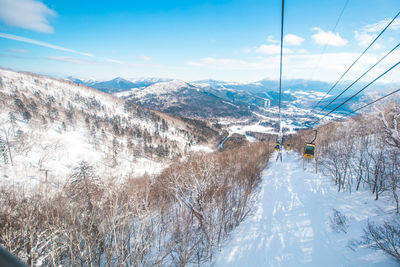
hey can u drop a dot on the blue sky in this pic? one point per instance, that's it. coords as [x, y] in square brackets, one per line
[234, 40]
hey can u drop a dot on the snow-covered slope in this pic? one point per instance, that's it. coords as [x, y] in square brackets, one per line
[179, 98]
[161, 88]
[51, 125]
[291, 223]
[118, 84]
[218, 99]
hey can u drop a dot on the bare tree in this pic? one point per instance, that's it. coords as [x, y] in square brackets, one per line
[6, 147]
[84, 184]
[391, 124]
[385, 237]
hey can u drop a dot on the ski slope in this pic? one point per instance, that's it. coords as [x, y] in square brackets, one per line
[291, 224]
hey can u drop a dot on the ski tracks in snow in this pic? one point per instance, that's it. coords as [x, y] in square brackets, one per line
[290, 225]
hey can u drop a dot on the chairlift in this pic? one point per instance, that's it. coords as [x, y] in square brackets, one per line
[309, 148]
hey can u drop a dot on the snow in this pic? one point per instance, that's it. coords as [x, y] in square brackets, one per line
[202, 148]
[290, 225]
[50, 152]
[305, 94]
[162, 88]
[149, 79]
[256, 127]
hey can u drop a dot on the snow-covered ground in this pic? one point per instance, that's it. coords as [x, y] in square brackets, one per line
[46, 152]
[255, 127]
[291, 222]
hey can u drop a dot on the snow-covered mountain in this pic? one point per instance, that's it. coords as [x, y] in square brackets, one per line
[51, 125]
[118, 84]
[251, 101]
[163, 88]
[180, 98]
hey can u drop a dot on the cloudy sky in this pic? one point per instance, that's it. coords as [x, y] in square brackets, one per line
[232, 40]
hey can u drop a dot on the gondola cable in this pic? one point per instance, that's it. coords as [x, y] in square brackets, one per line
[280, 137]
[362, 89]
[327, 43]
[348, 69]
[280, 69]
[373, 102]
[348, 87]
[309, 148]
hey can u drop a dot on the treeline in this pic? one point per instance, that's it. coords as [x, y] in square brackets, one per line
[363, 152]
[177, 218]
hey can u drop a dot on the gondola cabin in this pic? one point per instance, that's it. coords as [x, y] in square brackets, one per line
[277, 147]
[309, 151]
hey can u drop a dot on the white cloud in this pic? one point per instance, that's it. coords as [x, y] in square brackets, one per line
[113, 61]
[364, 39]
[96, 60]
[367, 33]
[20, 51]
[86, 61]
[270, 49]
[301, 51]
[327, 38]
[292, 39]
[247, 50]
[272, 40]
[27, 14]
[273, 47]
[73, 60]
[235, 64]
[145, 58]
[380, 25]
[40, 43]
[326, 67]
[216, 61]
[194, 63]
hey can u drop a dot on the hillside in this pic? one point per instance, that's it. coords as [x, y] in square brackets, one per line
[49, 126]
[179, 98]
[222, 101]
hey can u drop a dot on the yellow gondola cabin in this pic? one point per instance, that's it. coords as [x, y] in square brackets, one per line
[309, 151]
[277, 147]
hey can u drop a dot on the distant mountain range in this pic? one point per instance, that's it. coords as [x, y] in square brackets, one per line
[215, 99]
[118, 84]
[184, 99]
[121, 84]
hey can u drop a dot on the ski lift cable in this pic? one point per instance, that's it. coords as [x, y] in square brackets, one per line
[362, 89]
[280, 67]
[373, 102]
[348, 69]
[348, 87]
[330, 37]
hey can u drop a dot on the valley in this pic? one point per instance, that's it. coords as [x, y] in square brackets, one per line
[238, 107]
